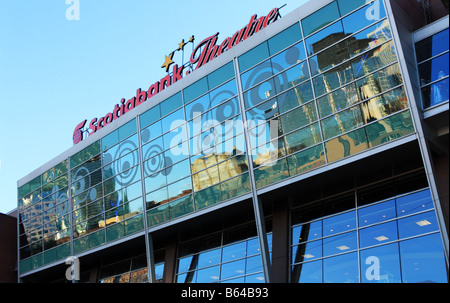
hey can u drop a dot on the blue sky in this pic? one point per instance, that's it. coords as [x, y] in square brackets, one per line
[56, 72]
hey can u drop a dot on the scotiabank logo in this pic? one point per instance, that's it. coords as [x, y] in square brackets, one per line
[204, 52]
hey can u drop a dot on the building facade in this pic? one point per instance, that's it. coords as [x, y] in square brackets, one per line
[311, 147]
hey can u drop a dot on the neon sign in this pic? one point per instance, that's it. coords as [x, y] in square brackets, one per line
[206, 51]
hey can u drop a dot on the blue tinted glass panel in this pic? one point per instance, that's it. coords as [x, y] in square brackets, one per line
[253, 265]
[364, 17]
[339, 244]
[208, 275]
[377, 213]
[173, 120]
[320, 19]
[324, 38]
[378, 234]
[433, 70]
[253, 57]
[381, 264]
[341, 269]
[234, 251]
[346, 6]
[208, 258]
[222, 93]
[195, 90]
[423, 260]
[171, 104]
[284, 39]
[307, 251]
[418, 224]
[256, 75]
[151, 132]
[289, 57]
[310, 272]
[435, 94]
[221, 75]
[432, 46]
[150, 116]
[339, 223]
[233, 269]
[413, 203]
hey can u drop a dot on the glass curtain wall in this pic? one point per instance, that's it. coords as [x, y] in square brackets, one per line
[323, 89]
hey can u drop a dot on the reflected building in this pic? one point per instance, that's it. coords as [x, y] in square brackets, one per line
[325, 132]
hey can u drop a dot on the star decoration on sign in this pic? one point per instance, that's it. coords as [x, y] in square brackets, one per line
[168, 61]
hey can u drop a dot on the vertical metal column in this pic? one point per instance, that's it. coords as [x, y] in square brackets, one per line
[257, 205]
[148, 238]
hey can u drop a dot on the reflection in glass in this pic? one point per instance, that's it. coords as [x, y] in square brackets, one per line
[414, 203]
[342, 122]
[339, 223]
[378, 234]
[310, 272]
[389, 129]
[419, 269]
[381, 264]
[432, 46]
[341, 269]
[418, 224]
[376, 213]
[320, 18]
[337, 100]
[435, 94]
[380, 81]
[346, 145]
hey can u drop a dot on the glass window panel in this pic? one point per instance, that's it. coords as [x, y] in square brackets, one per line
[435, 94]
[253, 265]
[207, 197]
[257, 74]
[205, 178]
[180, 188]
[389, 129]
[264, 111]
[320, 18]
[433, 70]
[306, 160]
[307, 251]
[234, 251]
[222, 93]
[285, 38]
[303, 138]
[221, 75]
[150, 116]
[418, 224]
[332, 79]
[384, 105]
[30, 186]
[158, 215]
[195, 90]
[374, 59]
[181, 207]
[376, 213]
[253, 57]
[346, 145]
[339, 244]
[208, 258]
[271, 172]
[293, 55]
[307, 232]
[259, 93]
[225, 111]
[369, 38]
[127, 130]
[346, 6]
[380, 81]
[342, 122]
[233, 269]
[157, 197]
[339, 223]
[292, 77]
[414, 203]
[197, 107]
[329, 58]
[378, 234]
[155, 181]
[235, 187]
[341, 269]
[294, 97]
[324, 38]
[423, 260]
[55, 172]
[208, 275]
[432, 46]
[310, 272]
[173, 120]
[174, 139]
[364, 17]
[337, 100]
[381, 264]
[171, 104]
